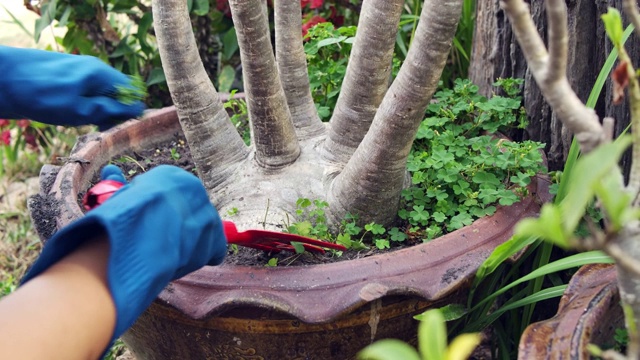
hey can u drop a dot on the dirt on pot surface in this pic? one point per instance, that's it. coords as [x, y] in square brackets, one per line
[176, 152]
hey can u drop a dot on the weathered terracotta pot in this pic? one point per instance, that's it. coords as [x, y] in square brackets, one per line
[309, 312]
[589, 312]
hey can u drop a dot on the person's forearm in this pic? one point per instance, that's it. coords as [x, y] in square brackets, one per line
[65, 313]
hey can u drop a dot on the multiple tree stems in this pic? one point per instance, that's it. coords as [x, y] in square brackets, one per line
[549, 70]
[364, 156]
[201, 114]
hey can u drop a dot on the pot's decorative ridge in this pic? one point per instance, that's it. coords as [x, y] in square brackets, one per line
[588, 312]
[313, 294]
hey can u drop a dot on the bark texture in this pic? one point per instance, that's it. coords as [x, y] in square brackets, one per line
[292, 66]
[496, 54]
[366, 80]
[272, 128]
[201, 114]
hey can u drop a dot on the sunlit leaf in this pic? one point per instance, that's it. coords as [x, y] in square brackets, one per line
[547, 226]
[590, 169]
[613, 26]
[462, 346]
[432, 335]
[389, 349]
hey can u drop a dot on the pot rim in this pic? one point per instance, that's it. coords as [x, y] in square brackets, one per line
[588, 309]
[320, 293]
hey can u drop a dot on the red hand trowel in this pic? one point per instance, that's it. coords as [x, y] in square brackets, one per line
[258, 239]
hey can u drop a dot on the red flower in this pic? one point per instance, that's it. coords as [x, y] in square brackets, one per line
[223, 7]
[5, 137]
[30, 138]
[3, 123]
[314, 3]
[336, 20]
[315, 20]
[23, 123]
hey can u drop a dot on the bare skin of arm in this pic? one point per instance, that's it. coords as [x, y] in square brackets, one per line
[65, 313]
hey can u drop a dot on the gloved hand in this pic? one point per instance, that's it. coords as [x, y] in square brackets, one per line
[62, 89]
[160, 227]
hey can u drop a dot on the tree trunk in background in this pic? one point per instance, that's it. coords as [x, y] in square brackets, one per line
[496, 54]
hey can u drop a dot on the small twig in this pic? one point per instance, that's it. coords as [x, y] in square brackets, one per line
[264, 221]
[631, 9]
[608, 127]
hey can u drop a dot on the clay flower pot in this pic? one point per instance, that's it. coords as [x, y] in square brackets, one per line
[589, 312]
[325, 311]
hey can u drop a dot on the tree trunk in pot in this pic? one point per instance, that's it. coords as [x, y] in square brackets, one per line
[210, 313]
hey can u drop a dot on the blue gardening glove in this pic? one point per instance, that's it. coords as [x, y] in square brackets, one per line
[161, 227]
[62, 89]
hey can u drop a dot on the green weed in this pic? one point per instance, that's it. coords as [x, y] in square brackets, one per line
[459, 169]
[239, 116]
[327, 51]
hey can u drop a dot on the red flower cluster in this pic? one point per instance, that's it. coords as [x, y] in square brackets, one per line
[223, 7]
[309, 21]
[27, 132]
[5, 135]
[313, 21]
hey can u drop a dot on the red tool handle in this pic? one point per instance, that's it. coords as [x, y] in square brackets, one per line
[258, 239]
[99, 193]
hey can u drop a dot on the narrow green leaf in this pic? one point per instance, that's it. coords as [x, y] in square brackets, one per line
[453, 311]
[389, 349]
[432, 335]
[573, 261]
[330, 41]
[603, 76]
[502, 253]
[64, 19]
[17, 21]
[541, 295]
[594, 95]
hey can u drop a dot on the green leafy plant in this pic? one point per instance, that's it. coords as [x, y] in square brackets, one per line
[459, 170]
[432, 343]
[131, 94]
[239, 116]
[174, 154]
[327, 51]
